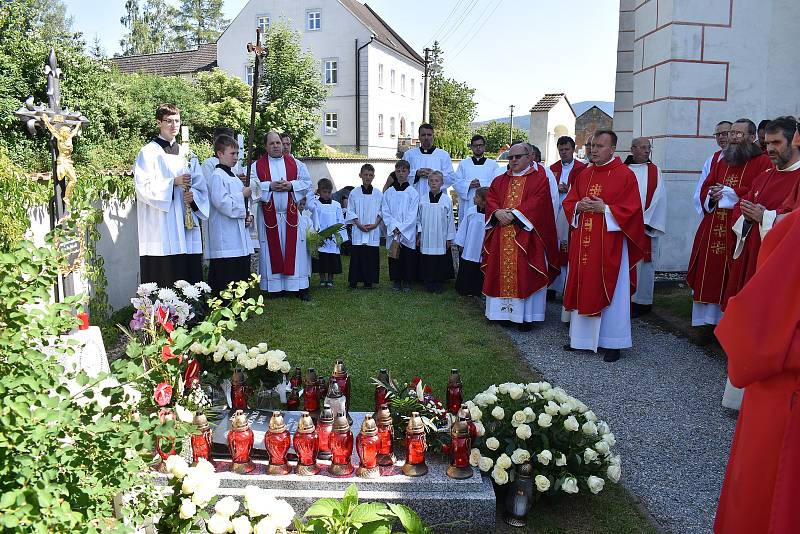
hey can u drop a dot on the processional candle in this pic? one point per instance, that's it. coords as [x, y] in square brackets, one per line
[306, 444]
[367, 445]
[277, 442]
[240, 443]
[416, 445]
[341, 447]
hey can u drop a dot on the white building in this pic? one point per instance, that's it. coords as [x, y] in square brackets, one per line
[375, 77]
[551, 118]
[683, 66]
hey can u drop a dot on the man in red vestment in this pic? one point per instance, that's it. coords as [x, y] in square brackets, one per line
[756, 213]
[761, 337]
[730, 180]
[520, 250]
[606, 242]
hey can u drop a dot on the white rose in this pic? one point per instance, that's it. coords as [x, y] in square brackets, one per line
[589, 428]
[251, 364]
[203, 496]
[196, 347]
[218, 524]
[480, 430]
[176, 466]
[504, 462]
[261, 359]
[520, 456]
[218, 357]
[491, 390]
[571, 424]
[545, 420]
[475, 413]
[551, 408]
[490, 398]
[595, 484]
[518, 418]
[544, 457]
[492, 443]
[257, 501]
[265, 526]
[590, 416]
[544, 386]
[602, 428]
[230, 356]
[241, 525]
[184, 414]
[227, 506]
[282, 513]
[253, 352]
[188, 509]
[570, 485]
[480, 399]
[190, 484]
[474, 457]
[262, 347]
[524, 432]
[560, 395]
[530, 415]
[589, 455]
[286, 367]
[500, 476]
[516, 392]
[565, 408]
[542, 483]
[614, 472]
[485, 464]
[547, 394]
[561, 460]
[498, 413]
[503, 388]
[601, 447]
[582, 408]
[273, 364]
[610, 439]
[532, 387]
[204, 467]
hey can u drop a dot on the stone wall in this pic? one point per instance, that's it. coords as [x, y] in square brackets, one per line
[588, 122]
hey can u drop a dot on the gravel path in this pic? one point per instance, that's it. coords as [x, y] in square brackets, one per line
[662, 401]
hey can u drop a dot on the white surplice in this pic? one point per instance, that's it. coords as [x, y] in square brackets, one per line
[227, 235]
[399, 211]
[435, 224]
[562, 224]
[470, 234]
[655, 221]
[302, 254]
[159, 204]
[469, 170]
[698, 205]
[366, 209]
[280, 282]
[436, 159]
[324, 216]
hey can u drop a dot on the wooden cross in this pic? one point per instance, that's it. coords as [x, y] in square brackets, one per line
[260, 54]
[718, 247]
[595, 190]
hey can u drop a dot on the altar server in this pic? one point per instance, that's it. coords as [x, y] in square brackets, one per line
[364, 214]
[473, 173]
[427, 158]
[399, 211]
[435, 233]
[229, 244]
[166, 186]
[325, 213]
[469, 239]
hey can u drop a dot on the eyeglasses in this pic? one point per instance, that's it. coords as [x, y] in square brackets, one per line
[171, 121]
[515, 157]
[721, 134]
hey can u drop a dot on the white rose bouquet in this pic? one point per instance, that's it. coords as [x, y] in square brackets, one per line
[569, 448]
[263, 367]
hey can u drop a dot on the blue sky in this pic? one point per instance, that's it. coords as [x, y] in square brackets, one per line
[510, 51]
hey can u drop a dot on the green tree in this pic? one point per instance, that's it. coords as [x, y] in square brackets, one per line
[452, 107]
[199, 22]
[292, 92]
[226, 102]
[496, 134]
[148, 27]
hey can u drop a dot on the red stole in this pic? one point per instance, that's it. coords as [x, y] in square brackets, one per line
[760, 335]
[595, 255]
[652, 183]
[517, 263]
[709, 264]
[770, 189]
[281, 263]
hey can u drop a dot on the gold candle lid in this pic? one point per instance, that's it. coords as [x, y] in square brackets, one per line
[463, 413]
[201, 420]
[339, 368]
[276, 423]
[384, 416]
[415, 424]
[238, 377]
[306, 424]
[459, 430]
[341, 425]
[368, 427]
[327, 414]
[239, 421]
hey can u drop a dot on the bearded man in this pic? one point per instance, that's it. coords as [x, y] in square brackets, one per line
[712, 251]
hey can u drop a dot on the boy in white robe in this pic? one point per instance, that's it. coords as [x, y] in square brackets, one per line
[229, 245]
[469, 239]
[167, 185]
[302, 255]
[364, 213]
[435, 233]
[399, 212]
[325, 213]
[473, 173]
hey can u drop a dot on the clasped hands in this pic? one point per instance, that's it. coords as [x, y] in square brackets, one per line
[281, 186]
[752, 212]
[504, 216]
[715, 191]
[591, 204]
[365, 227]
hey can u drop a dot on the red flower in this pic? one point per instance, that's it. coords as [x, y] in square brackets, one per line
[192, 374]
[166, 354]
[415, 382]
[162, 394]
[163, 319]
[427, 390]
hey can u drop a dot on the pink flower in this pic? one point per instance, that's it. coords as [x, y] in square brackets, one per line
[162, 394]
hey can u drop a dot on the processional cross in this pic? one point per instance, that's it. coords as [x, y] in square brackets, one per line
[260, 54]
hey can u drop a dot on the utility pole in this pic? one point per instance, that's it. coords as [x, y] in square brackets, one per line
[425, 75]
[511, 126]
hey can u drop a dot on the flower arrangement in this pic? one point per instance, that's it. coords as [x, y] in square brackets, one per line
[154, 305]
[194, 489]
[567, 445]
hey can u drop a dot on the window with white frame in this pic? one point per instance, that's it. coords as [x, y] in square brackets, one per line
[331, 71]
[413, 83]
[391, 80]
[313, 20]
[380, 124]
[403, 84]
[391, 127]
[380, 75]
[262, 22]
[331, 122]
[248, 75]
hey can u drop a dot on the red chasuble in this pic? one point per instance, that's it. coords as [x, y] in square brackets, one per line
[281, 263]
[710, 262]
[577, 167]
[595, 255]
[770, 189]
[761, 335]
[517, 263]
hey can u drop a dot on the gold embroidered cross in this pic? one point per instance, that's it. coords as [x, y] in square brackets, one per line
[587, 224]
[718, 247]
[719, 230]
[595, 190]
[584, 259]
[731, 181]
[586, 241]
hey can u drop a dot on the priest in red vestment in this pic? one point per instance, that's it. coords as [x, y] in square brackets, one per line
[565, 170]
[606, 242]
[730, 180]
[756, 213]
[520, 251]
[761, 337]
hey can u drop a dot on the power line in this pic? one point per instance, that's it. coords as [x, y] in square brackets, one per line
[447, 19]
[467, 11]
[483, 21]
[470, 33]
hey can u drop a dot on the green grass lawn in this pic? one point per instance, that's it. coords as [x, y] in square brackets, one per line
[675, 301]
[421, 334]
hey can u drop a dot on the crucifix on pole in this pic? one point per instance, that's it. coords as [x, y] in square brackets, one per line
[260, 54]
